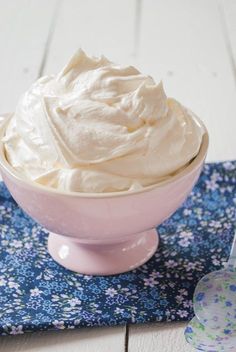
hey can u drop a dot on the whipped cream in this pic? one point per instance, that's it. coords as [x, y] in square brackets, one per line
[99, 127]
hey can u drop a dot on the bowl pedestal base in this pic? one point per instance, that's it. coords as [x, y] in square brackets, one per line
[103, 258]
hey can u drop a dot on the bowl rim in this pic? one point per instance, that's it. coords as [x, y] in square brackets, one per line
[10, 171]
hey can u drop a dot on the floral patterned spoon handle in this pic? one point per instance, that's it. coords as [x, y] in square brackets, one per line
[215, 296]
[215, 308]
[205, 339]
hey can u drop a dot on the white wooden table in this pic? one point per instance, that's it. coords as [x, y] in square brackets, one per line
[189, 44]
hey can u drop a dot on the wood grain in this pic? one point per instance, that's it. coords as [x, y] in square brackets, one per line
[183, 43]
[24, 29]
[158, 337]
[99, 27]
[228, 9]
[84, 340]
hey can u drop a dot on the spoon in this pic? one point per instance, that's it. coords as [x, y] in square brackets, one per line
[214, 303]
[206, 339]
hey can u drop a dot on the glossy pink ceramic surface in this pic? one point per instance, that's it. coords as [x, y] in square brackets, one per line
[102, 233]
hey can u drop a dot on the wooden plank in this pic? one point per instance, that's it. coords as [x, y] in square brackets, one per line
[182, 42]
[84, 340]
[24, 28]
[158, 337]
[99, 27]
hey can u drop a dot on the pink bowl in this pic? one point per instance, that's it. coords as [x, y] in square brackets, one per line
[102, 234]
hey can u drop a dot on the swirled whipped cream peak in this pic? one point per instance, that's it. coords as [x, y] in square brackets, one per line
[99, 127]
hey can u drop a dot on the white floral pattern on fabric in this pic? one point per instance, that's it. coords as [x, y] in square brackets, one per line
[38, 294]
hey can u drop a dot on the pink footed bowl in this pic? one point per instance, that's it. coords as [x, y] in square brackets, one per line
[102, 234]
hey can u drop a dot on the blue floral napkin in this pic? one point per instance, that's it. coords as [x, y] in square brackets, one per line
[36, 293]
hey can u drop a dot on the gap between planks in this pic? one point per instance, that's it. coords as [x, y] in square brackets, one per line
[49, 38]
[126, 347]
[137, 26]
[225, 31]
